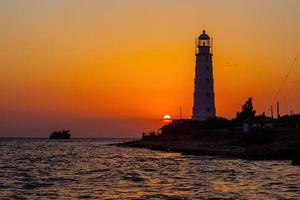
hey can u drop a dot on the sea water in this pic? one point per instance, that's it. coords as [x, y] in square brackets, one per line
[91, 168]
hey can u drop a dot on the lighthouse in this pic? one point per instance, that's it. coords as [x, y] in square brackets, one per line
[204, 97]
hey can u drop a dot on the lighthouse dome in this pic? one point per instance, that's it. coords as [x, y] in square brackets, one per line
[204, 36]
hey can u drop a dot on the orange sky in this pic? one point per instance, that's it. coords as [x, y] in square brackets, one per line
[115, 67]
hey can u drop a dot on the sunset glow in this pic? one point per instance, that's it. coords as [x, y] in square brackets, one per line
[110, 68]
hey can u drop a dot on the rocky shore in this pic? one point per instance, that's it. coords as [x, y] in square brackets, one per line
[267, 145]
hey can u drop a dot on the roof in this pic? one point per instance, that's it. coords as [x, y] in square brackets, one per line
[259, 119]
[204, 36]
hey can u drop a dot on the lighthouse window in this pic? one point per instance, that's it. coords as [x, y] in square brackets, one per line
[207, 58]
[207, 94]
[207, 109]
[207, 80]
[207, 68]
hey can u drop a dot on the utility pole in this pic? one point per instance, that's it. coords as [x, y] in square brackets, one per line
[278, 112]
[272, 112]
[297, 91]
[180, 113]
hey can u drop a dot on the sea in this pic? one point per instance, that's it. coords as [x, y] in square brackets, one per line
[96, 169]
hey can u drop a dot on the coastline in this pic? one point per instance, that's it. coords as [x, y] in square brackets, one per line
[275, 148]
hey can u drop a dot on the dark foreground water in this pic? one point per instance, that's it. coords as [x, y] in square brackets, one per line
[40, 168]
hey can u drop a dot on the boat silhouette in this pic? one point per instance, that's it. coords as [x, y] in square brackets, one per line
[64, 134]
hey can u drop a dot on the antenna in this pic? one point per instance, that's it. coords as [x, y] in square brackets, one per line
[278, 112]
[272, 112]
[297, 91]
[180, 113]
[292, 66]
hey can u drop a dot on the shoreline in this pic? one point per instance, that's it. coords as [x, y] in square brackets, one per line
[277, 150]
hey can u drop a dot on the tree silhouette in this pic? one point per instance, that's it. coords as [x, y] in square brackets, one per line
[247, 111]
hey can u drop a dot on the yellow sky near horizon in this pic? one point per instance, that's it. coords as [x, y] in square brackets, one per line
[135, 59]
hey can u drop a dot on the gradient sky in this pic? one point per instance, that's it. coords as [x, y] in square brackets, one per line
[113, 68]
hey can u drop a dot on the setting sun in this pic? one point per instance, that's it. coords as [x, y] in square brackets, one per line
[167, 117]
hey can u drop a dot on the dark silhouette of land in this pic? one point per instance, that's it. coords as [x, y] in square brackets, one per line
[246, 136]
[64, 134]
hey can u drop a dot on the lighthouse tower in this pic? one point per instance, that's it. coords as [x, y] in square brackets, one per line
[204, 98]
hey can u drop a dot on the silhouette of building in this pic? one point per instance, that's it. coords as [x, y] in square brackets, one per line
[204, 98]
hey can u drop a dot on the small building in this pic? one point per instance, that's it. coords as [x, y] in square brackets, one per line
[177, 126]
[257, 123]
[188, 126]
[288, 122]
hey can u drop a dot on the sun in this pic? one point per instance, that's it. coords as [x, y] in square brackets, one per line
[167, 117]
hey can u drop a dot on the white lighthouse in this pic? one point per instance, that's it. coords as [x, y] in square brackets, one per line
[204, 97]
